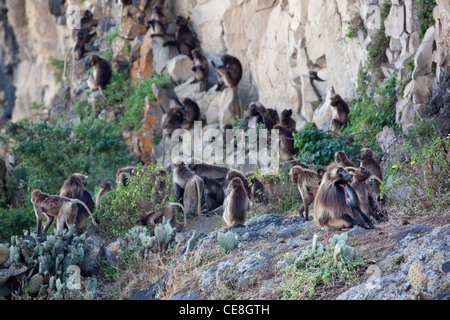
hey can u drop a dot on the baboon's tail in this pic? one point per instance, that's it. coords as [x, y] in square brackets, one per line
[86, 207]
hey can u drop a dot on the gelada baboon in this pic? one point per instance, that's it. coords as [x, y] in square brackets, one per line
[257, 189]
[105, 187]
[340, 114]
[213, 195]
[184, 39]
[191, 113]
[158, 23]
[308, 182]
[359, 183]
[229, 73]
[258, 114]
[168, 212]
[287, 147]
[102, 74]
[236, 204]
[237, 174]
[62, 208]
[336, 204]
[189, 188]
[341, 159]
[287, 121]
[368, 161]
[201, 66]
[123, 173]
[75, 188]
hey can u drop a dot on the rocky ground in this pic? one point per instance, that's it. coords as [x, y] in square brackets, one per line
[253, 270]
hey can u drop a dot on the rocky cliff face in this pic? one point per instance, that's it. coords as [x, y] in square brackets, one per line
[280, 43]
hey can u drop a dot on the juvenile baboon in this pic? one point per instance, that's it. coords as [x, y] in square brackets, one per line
[236, 204]
[188, 188]
[102, 74]
[341, 159]
[62, 208]
[308, 182]
[368, 161]
[229, 74]
[105, 187]
[172, 120]
[237, 174]
[287, 121]
[336, 203]
[184, 39]
[201, 66]
[75, 188]
[79, 45]
[213, 194]
[123, 173]
[191, 113]
[287, 147]
[340, 114]
[259, 114]
[158, 22]
[81, 37]
[360, 184]
[168, 211]
[257, 189]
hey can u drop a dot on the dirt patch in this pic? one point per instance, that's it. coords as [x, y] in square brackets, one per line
[204, 224]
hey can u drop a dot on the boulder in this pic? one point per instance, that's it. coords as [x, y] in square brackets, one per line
[423, 58]
[180, 68]
[130, 28]
[395, 21]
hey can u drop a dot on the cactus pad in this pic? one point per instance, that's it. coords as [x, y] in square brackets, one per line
[418, 277]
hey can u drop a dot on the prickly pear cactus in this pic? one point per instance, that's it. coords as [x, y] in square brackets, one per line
[35, 284]
[228, 241]
[4, 254]
[46, 263]
[342, 250]
[290, 258]
[418, 277]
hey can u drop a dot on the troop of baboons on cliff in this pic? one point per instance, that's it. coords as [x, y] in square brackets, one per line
[343, 194]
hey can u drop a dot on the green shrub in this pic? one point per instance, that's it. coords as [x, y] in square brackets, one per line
[427, 175]
[318, 147]
[283, 198]
[315, 272]
[372, 109]
[424, 14]
[134, 113]
[123, 205]
[50, 153]
[14, 221]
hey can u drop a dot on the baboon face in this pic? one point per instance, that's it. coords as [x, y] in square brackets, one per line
[336, 100]
[362, 174]
[339, 175]
[157, 9]
[256, 110]
[88, 14]
[82, 178]
[365, 153]
[180, 21]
